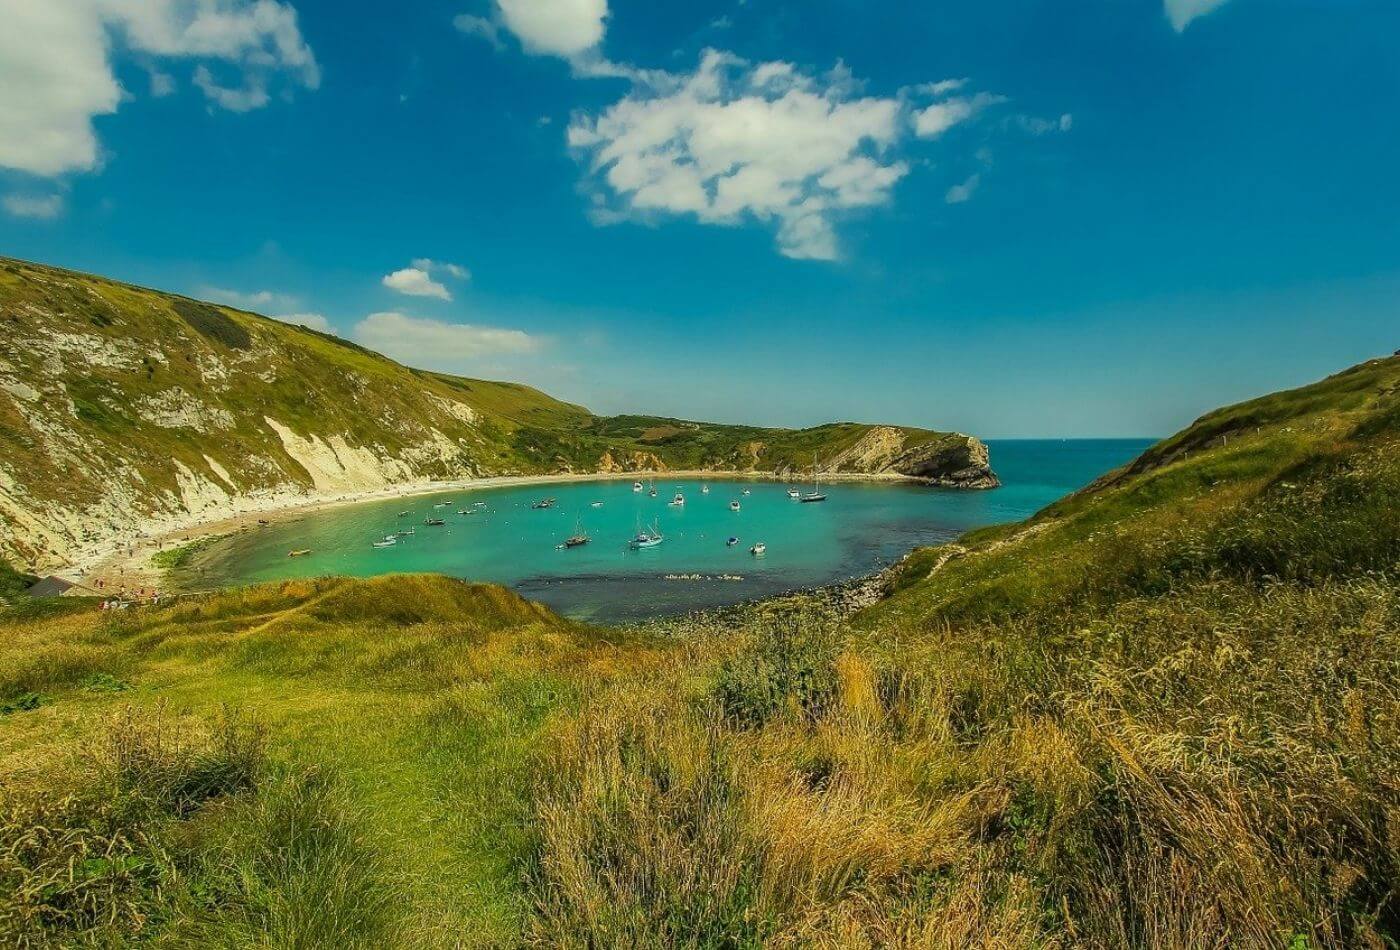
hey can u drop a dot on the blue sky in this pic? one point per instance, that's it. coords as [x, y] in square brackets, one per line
[1010, 217]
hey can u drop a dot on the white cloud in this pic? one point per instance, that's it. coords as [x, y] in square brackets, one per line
[962, 192]
[938, 118]
[256, 301]
[56, 71]
[479, 26]
[455, 271]
[437, 344]
[733, 142]
[314, 321]
[251, 95]
[1182, 12]
[415, 282]
[564, 28]
[43, 207]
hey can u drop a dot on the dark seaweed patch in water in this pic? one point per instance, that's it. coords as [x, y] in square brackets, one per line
[213, 323]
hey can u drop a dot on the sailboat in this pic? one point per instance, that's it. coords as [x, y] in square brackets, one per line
[578, 539]
[816, 493]
[653, 489]
[646, 538]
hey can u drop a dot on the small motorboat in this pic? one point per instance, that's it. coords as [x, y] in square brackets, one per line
[704, 489]
[403, 514]
[636, 486]
[434, 522]
[731, 542]
[759, 549]
[300, 552]
[733, 506]
[466, 511]
[746, 491]
[596, 504]
[407, 531]
[678, 501]
[543, 503]
[442, 504]
[384, 543]
[794, 493]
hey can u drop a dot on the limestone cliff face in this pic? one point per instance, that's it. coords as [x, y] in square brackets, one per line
[953, 460]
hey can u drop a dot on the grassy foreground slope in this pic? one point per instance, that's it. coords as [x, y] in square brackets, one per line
[125, 409]
[1163, 713]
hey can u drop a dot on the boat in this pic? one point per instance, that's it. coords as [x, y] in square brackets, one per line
[731, 542]
[678, 501]
[704, 489]
[543, 503]
[746, 491]
[466, 511]
[434, 522]
[652, 491]
[442, 504]
[794, 493]
[636, 486]
[759, 549]
[578, 539]
[646, 538]
[733, 506]
[596, 504]
[406, 532]
[300, 552]
[816, 493]
[403, 514]
[385, 543]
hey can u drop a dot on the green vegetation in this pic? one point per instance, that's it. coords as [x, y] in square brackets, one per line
[119, 403]
[1165, 712]
[174, 558]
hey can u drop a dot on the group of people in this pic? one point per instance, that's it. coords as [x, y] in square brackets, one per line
[123, 600]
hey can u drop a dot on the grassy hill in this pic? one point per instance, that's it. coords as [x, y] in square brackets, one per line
[1165, 712]
[124, 409]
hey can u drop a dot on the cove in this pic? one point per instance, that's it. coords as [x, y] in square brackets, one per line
[862, 527]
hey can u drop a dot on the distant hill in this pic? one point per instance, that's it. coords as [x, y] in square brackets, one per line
[124, 409]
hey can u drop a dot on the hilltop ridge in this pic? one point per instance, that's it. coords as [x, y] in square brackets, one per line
[125, 410]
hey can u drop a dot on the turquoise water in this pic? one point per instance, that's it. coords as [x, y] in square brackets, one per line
[860, 528]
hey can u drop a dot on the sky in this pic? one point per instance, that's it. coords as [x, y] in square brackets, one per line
[1015, 218]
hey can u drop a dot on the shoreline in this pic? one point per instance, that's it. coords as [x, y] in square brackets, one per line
[129, 565]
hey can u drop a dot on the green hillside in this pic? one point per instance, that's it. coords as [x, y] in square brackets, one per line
[1165, 712]
[124, 409]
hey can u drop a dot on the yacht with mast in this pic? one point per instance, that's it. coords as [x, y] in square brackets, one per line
[816, 493]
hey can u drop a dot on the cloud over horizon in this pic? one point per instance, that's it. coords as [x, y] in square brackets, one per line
[437, 344]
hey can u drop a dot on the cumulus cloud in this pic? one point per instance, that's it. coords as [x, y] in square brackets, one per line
[56, 71]
[565, 28]
[314, 321]
[1038, 126]
[1181, 12]
[737, 141]
[415, 282]
[964, 190]
[42, 207]
[436, 343]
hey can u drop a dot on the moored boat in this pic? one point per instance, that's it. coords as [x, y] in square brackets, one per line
[733, 506]
[759, 549]
[678, 501]
[299, 552]
[731, 542]
[637, 486]
[646, 538]
[543, 503]
[434, 522]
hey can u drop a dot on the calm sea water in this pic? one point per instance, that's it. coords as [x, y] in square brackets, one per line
[860, 528]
